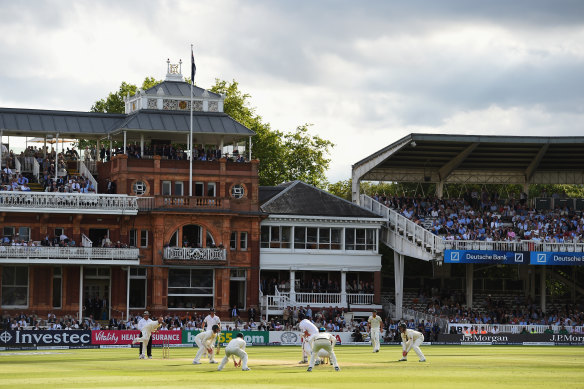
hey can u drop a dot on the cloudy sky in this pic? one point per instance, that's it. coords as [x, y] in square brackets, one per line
[364, 74]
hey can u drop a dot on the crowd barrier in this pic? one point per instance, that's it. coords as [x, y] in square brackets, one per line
[62, 339]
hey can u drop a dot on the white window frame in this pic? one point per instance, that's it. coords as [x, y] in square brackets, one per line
[18, 286]
[143, 232]
[242, 241]
[140, 277]
[177, 185]
[213, 186]
[166, 188]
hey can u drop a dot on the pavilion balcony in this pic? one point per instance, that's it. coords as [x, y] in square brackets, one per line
[182, 202]
[58, 202]
[69, 255]
[195, 254]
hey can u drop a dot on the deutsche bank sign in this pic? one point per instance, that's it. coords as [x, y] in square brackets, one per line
[483, 256]
[555, 258]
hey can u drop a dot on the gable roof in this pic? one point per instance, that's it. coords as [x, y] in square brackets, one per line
[179, 89]
[300, 198]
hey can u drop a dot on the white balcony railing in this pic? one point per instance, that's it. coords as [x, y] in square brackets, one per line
[194, 254]
[41, 252]
[68, 202]
[360, 299]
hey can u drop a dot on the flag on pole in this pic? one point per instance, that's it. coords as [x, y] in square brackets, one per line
[193, 67]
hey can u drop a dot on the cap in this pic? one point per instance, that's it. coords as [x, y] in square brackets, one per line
[322, 329]
[146, 313]
[211, 309]
[402, 325]
[239, 335]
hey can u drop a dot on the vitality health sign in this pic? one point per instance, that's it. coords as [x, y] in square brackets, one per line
[250, 337]
[126, 337]
[484, 256]
[554, 258]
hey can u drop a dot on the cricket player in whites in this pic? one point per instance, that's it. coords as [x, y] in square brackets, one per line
[411, 340]
[323, 341]
[147, 332]
[235, 347]
[375, 325]
[309, 331]
[210, 320]
[205, 341]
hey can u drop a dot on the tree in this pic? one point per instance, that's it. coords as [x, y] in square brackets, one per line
[114, 103]
[284, 156]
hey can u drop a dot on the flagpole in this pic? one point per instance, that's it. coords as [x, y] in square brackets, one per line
[191, 134]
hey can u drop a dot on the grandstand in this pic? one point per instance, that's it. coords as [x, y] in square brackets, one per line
[462, 248]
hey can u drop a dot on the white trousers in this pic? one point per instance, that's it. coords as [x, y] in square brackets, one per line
[416, 347]
[323, 344]
[307, 347]
[237, 352]
[144, 339]
[203, 350]
[375, 338]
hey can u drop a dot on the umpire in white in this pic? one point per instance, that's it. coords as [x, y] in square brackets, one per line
[145, 320]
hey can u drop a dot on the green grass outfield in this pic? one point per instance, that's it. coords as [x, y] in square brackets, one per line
[277, 367]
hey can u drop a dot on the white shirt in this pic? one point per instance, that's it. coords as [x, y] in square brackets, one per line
[210, 321]
[374, 322]
[207, 337]
[409, 335]
[142, 323]
[236, 343]
[325, 336]
[307, 325]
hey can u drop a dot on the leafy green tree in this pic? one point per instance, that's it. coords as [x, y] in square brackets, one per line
[284, 156]
[114, 102]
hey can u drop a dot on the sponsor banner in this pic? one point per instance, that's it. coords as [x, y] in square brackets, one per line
[250, 337]
[554, 258]
[18, 338]
[126, 337]
[294, 337]
[510, 339]
[485, 256]
[115, 346]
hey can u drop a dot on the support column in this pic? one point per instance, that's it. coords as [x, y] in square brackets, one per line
[542, 288]
[355, 191]
[292, 287]
[125, 143]
[398, 266]
[56, 158]
[440, 189]
[141, 145]
[532, 286]
[80, 295]
[97, 149]
[1, 133]
[344, 288]
[469, 284]
[128, 293]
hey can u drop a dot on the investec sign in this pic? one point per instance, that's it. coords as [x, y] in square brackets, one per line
[45, 338]
[485, 256]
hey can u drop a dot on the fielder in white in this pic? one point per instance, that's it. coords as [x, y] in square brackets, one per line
[210, 320]
[205, 341]
[411, 340]
[309, 331]
[375, 325]
[236, 347]
[323, 341]
[147, 331]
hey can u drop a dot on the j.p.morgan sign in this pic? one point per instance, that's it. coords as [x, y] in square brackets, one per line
[45, 338]
[557, 339]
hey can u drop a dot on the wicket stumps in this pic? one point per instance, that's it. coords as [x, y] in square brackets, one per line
[165, 349]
